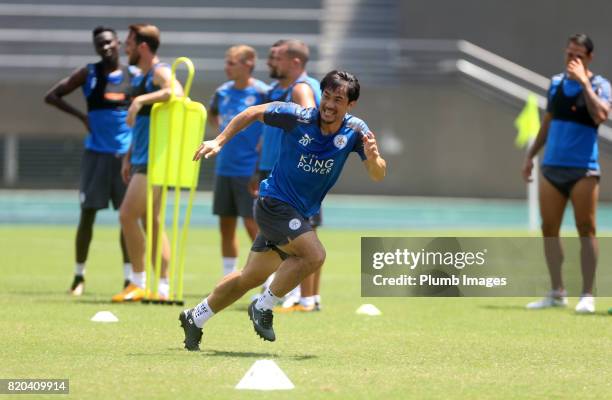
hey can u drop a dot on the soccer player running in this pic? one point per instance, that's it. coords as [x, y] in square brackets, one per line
[106, 86]
[237, 161]
[153, 87]
[578, 101]
[287, 63]
[314, 148]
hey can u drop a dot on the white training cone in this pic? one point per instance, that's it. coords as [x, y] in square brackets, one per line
[368, 309]
[265, 375]
[104, 316]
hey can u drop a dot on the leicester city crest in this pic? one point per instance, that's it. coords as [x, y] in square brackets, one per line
[340, 141]
[249, 101]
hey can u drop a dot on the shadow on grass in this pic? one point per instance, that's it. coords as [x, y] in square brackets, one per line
[568, 310]
[505, 307]
[249, 354]
[234, 354]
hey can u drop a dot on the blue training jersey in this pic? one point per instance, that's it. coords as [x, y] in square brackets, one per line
[572, 135]
[108, 100]
[238, 157]
[309, 162]
[140, 148]
[272, 135]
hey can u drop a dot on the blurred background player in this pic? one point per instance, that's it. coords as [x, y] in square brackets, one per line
[237, 161]
[287, 64]
[303, 174]
[153, 87]
[578, 101]
[106, 86]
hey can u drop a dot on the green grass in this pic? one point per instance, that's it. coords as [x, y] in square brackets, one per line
[419, 348]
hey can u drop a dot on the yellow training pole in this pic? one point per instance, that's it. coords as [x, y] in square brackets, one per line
[149, 224]
[181, 266]
[179, 172]
[164, 200]
[176, 135]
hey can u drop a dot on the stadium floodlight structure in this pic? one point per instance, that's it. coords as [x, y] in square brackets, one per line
[176, 130]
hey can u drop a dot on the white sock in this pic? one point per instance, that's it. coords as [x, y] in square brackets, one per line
[229, 265]
[267, 283]
[163, 288]
[79, 269]
[317, 298]
[308, 301]
[139, 279]
[127, 271]
[266, 301]
[294, 293]
[202, 313]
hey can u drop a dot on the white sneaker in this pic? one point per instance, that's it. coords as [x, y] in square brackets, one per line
[586, 305]
[290, 301]
[553, 299]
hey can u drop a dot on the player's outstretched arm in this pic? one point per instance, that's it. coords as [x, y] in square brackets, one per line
[210, 148]
[374, 163]
[162, 77]
[64, 87]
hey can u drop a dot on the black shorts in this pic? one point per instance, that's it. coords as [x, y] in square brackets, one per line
[139, 169]
[263, 174]
[232, 198]
[564, 178]
[101, 180]
[315, 221]
[278, 222]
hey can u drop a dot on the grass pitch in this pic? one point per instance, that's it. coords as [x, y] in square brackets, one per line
[419, 348]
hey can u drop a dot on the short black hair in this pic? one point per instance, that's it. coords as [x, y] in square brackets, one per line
[582, 39]
[99, 29]
[336, 79]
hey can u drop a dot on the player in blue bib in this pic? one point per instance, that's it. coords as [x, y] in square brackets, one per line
[237, 161]
[314, 148]
[106, 86]
[287, 63]
[578, 102]
[154, 86]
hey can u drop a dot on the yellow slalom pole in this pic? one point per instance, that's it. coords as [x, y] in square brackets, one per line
[178, 249]
[175, 131]
[149, 225]
[176, 216]
[164, 199]
[181, 266]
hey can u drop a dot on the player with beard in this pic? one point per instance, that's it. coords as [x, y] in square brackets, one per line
[315, 145]
[153, 87]
[106, 86]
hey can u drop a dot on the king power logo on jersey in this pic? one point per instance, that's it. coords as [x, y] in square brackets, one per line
[311, 163]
